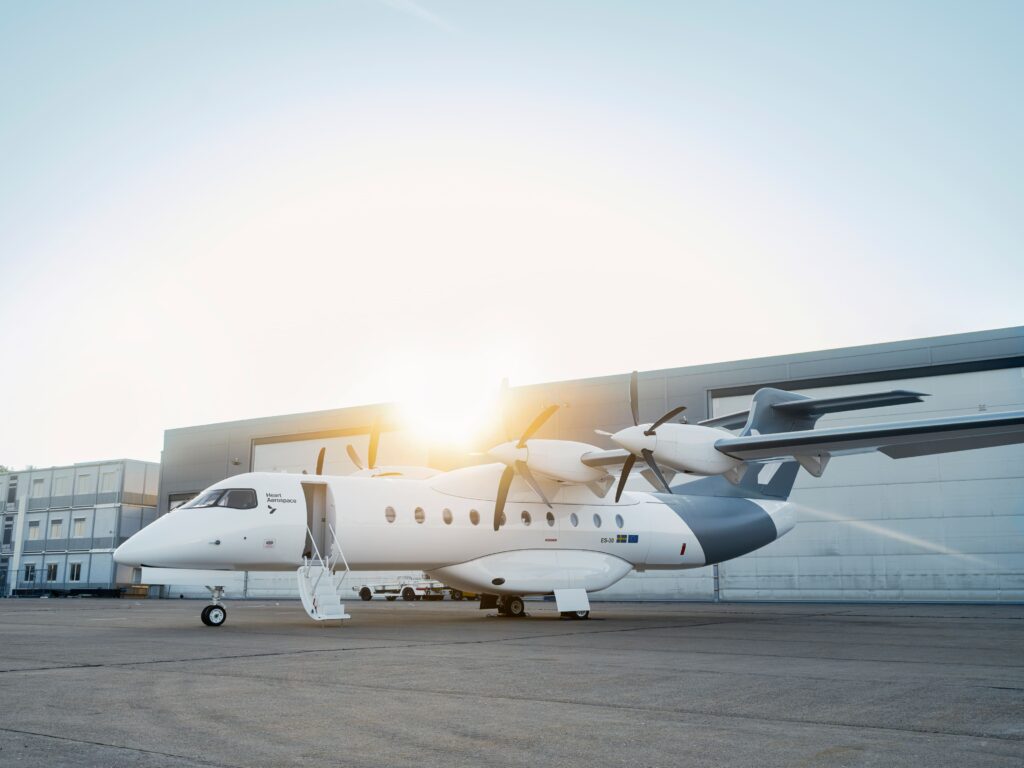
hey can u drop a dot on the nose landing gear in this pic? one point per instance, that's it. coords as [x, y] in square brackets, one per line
[216, 614]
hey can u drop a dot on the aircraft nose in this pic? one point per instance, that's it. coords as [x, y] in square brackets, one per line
[128, 553]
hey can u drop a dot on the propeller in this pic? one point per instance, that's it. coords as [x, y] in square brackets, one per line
[353, 456]
[516, 465]
[645, 453]
[371, 453]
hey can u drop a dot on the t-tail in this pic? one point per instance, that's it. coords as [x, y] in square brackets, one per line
[775, 411]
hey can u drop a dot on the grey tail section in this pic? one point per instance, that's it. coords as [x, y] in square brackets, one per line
[776, 410]
[771, 480]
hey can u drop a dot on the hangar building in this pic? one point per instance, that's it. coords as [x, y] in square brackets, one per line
[935, 528]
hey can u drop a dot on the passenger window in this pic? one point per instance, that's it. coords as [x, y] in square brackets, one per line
[619, 521]
[447, 516]
[551, 519]
[525, 517]
[574, 520]
[419, 515]
[389, 514]
[597, 521]
[474, 517]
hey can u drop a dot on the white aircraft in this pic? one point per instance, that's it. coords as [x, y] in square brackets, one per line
[543, 520]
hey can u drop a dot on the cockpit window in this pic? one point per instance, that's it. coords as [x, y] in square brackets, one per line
[232, 498]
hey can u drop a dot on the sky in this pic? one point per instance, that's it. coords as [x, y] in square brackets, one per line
[215, 211]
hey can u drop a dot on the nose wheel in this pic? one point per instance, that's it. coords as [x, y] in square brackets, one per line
[216, 614]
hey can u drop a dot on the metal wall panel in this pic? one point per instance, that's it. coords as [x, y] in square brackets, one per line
[946, 527]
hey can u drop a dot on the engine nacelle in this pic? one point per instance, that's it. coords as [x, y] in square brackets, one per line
[691, 448]
[554, 459]
[684, 447]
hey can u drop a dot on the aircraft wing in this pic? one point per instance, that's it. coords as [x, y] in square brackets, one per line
[897, 440]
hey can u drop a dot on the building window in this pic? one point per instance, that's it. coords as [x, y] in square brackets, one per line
[12, 489]
[62, 486]
[419, 515]
[389, 514]
[574, 520]
[8, 533]
[108, 481]
[525, 517]
[446, 515]
[81, 483]
[74, 572]
[79, 528]
[597, 521]
[51, 571]
[619, 521]
[37, 489]
[56, 529]
[33, 530]
[551, 519]
[474, 517]
[30, 572]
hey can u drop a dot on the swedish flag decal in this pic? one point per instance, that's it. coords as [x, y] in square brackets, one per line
[621, 539]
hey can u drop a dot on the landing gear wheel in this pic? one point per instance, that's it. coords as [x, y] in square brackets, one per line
[214, 615]
[408, 594]
[365, 593]
[515, 607]
[457, 594]
[576, 615]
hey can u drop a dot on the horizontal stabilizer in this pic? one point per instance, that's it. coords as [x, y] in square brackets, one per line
[897, 440]
[819, 406]
[795, 411]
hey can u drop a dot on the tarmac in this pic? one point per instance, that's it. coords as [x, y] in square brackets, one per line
[88, 682]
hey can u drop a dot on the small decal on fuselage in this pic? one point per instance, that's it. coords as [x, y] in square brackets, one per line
[268, 543]
[622, 538]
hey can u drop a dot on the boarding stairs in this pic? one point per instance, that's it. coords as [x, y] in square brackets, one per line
[319, 583]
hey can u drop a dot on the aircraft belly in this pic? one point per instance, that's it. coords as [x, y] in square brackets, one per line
[533, 571]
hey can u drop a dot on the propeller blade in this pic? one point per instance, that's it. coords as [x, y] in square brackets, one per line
[503, 486]
[649, 458]
[353, 456]
[371, 455]
[320, 461]
[634, 397]
[524, 471]
[670, 415]
[536, 424]
[603, 433]
[630, 461]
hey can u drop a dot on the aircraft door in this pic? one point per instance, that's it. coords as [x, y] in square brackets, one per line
[318, 536]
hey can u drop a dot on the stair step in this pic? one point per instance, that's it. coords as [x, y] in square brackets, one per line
[318, 589]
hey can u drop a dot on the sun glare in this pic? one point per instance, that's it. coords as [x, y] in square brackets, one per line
[457, 410]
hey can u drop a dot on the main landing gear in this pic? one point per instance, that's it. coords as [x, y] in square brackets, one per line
[216, 614]
[575, 615]
[513, 606]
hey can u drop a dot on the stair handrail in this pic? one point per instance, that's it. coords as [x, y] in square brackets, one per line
[341, 554]
[324, 567]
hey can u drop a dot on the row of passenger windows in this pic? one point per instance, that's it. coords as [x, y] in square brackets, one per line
[474, 517]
